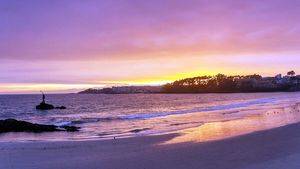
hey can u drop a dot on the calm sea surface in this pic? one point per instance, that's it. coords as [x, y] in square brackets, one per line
[106, 116]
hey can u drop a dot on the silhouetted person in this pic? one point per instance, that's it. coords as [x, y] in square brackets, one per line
[43, 97]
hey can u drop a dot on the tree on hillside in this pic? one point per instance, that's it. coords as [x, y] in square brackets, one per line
[291, 73]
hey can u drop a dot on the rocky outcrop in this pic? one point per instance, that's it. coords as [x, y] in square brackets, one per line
[12, 125]
[70, 128]
[45, 106]
[60, 107]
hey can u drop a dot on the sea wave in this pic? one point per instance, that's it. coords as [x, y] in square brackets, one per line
[86, 120]
[200, 109]
[146, 116]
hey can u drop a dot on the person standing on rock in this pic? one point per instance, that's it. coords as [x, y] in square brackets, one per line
[44, 106]
[43, 97]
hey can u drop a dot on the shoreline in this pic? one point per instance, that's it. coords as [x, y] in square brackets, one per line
[263, 137]
[261, 149]
[252, 119]
[270, 116]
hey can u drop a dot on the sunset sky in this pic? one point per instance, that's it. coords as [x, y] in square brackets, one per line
[63, 46]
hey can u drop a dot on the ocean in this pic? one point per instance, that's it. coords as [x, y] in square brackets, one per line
[102, 116]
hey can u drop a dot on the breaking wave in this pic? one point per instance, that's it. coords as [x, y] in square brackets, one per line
[169, 113]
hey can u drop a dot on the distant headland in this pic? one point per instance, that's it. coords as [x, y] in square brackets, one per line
[219, 83]
[124, 90]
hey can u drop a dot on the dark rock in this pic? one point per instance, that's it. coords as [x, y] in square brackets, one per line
[60, 107]
[12, 125]
[139, 130]
[70, 128]
[44, 106]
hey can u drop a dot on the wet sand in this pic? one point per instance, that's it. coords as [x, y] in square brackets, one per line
[274, 148]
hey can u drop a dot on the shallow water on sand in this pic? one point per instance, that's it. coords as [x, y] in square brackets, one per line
[105, 116]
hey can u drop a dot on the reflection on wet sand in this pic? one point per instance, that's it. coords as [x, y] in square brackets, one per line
[253, 122]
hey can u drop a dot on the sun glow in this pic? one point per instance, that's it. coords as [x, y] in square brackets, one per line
[49, 88]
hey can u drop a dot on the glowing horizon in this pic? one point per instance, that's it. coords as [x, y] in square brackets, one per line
[63, 46]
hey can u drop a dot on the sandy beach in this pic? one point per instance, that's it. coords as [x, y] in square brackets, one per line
[274, 148]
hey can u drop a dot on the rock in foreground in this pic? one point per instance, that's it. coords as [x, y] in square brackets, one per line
[12, 125]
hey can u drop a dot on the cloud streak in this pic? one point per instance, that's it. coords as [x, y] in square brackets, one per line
[126, 29]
